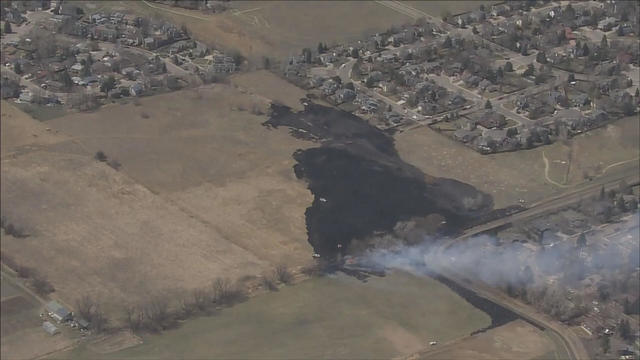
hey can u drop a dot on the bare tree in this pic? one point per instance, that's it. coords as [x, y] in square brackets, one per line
[283, 274]
[201, 298]
[85, 306]
[98, 320]
[269, 283]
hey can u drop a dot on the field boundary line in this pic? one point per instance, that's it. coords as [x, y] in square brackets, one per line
[546, 172]
[175, 12]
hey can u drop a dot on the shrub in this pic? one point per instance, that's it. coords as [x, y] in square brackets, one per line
[269, 283]
[283, 274]
[115, 164]
[42, 286]
[100, 156]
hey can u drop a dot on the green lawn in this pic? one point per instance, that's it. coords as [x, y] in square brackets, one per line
[331, 317]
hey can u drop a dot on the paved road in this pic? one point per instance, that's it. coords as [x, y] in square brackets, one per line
[630, 174]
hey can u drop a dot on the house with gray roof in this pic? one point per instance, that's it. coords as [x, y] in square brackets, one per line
[58, 312]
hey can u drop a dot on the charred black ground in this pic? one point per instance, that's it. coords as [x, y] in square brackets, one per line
[360, 184]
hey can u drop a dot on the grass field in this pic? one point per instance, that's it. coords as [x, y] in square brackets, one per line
[515, 340]
[330, 317]
[204, 191]
[19, 131]
[511, 176]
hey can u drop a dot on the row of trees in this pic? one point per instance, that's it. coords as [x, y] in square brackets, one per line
[159, 313]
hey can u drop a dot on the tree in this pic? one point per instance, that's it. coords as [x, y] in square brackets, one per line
[487, 105]
[369, 82]
[84, 306]
[625, 330]
[306, 53]
[17, 68]
[541, 57]
[100, 156]
[86, 69]
[447, 42]
[108, 84]
[585, 50]
[65, 78]
[605, 344]
[637, 95]
[7, 27]
[571, 78]
[620, 203]
[266, 63]
[354, 53]
[603, 42]
[474, 30]
[529, 72]
[524, 50]
[41, 285]
[283, 274]
[620, 31]
[581, 241]
[320, 48]
[508, 66]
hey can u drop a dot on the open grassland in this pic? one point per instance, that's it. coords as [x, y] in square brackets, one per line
[330, 317]
[19, 131]
[509, 177]
[273, 28]
[266, 85]
[204, 191]
[515, 340]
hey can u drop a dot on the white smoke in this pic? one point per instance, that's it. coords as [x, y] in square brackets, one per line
[499, 264]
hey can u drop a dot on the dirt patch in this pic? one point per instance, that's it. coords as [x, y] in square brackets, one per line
[120, 341]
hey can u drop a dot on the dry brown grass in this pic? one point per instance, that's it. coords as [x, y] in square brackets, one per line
[509, 177]
[515, 340]
[204, 191]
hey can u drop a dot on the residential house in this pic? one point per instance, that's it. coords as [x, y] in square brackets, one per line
[344, 95]
[136, 89]
[457, 100]
[580, 100]
[58, 312]
[465, 136]
[607, 24]
[69, 8]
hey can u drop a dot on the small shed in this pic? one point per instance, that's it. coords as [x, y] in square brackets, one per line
[50, 328]
[82, 323]
[58, 312]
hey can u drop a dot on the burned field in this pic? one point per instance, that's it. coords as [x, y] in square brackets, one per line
[360, 184]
